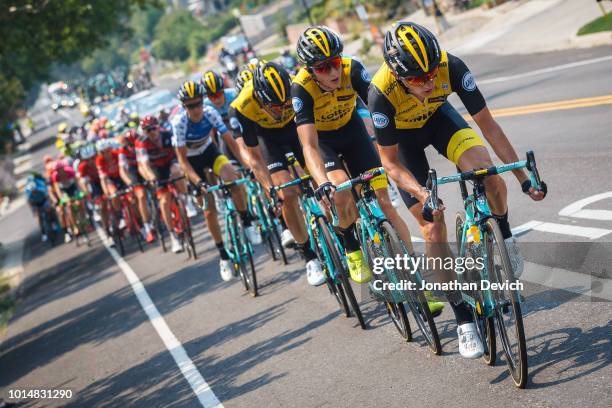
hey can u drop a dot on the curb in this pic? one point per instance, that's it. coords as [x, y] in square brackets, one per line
[591, 40]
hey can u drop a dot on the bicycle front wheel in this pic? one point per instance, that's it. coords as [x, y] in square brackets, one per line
[341, 271]
[484, 325]
[508, 315]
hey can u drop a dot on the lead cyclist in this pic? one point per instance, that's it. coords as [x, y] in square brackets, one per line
[408, 101]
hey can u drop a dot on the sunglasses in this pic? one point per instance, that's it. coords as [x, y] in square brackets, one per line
[326, 66]
[193, 105]
[422, 79]
[216, 95]
[150, 128]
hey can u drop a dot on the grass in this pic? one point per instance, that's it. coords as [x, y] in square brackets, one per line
[7, 305]
[270, 56]
[603, 23]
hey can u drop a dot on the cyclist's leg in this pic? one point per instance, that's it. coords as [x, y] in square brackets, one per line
[360, 156]
[141, 198]
[329, 147]
[274, 146]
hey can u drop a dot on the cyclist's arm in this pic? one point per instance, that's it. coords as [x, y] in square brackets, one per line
[360, 79]
[144, 164]
[387, 138]
[244, 132]
[303, 104]
[258, 165]
[463, 82]
[181, 154]
[123, 170]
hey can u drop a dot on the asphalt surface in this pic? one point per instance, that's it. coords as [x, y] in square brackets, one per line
[80, 326]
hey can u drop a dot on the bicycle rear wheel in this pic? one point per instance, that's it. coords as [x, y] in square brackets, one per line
[484, 325]
[508, 315]
[187, 235]
[325, 255]
[395, 309]
[342, 279]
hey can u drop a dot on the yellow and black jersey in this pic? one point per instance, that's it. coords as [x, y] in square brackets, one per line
[249, 119]
[329, 110]
[395, 111]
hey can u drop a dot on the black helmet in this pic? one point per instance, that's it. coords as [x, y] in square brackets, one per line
[411, 50]
[244, 75]
[190, 90]
[272, 84]
[317, 44]
[212, 82]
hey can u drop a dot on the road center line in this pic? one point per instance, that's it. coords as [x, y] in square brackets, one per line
[200, 387]
[544, 70]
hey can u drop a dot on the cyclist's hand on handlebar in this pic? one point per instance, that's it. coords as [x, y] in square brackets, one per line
[203, 186]
[325, 194]
[535, 194]
[429, 212]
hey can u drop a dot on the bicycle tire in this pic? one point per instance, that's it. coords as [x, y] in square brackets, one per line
[396, 310]
[516, 365]
[187, 237]
[484, 325]
[245, 265]
[342, 276]
[277, 242]
[232, 227]
[334, 289]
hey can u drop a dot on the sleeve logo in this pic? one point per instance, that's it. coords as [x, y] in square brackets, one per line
[468, 82]
[297, 104]
[380, 120]
[235, 124]
[365, 76]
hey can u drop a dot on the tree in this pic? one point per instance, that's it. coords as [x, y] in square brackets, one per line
[37, 34]
[172, 35]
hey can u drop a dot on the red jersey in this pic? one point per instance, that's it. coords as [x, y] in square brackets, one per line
[127, 157]
[65, 180]
[87, 168]
[109, 168]
[158, 155]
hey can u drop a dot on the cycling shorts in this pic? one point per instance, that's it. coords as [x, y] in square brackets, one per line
[354, 144]
[447, 132]
[276, 143]
[210, 158]
[117, 182]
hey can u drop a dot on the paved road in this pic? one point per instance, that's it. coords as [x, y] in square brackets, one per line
[83, 328]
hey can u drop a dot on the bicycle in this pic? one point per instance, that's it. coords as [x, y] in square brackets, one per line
[49, 223]
[478, 235]
[180, 221]
[261, 209]
[326, 244]
[380, 240]
[130, 215]
[75, 214]
[236, 243]
[156, 218]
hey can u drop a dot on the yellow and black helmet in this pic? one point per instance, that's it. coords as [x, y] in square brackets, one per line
[411, 50]
[244, 75]
[317, 44]
[212, 82]
[272, 84]
[190, 90]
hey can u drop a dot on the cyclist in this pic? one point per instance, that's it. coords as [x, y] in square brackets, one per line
[324, 95]
[157, 162]
[128, 170]
[107, 163]
[264, 115]
[244, 75]
[192, 130]
[408, 101]
[38, 198]
[89, 179]
[219, 98]
[64, 183]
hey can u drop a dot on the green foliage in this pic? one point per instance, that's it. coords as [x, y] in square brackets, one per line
[603, 23]
[36, 35]
[178, 35]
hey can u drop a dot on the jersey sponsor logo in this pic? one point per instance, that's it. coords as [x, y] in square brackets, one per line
[235, 123]
[380, 120]
[365, 75]
[341, 98]
[274, 165]
[441, 98]
[329, 164]
[297, 104]
[335, 115]
[445, 87]
[468, 82]
[391, 87]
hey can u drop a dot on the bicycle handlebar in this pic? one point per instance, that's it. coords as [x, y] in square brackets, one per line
[433, 202]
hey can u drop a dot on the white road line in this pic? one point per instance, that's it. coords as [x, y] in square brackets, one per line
[575, 210]
[583, 284]
[200, 387]
[544, 70]
[586, 232]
